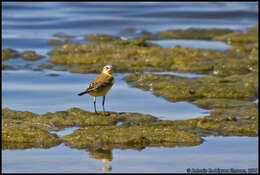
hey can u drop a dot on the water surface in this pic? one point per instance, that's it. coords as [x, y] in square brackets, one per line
[214, 152]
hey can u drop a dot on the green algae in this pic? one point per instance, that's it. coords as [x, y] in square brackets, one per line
[101, 37]
[45, 66]
[9, 53]
[26, 55]
[55, 42]
[138, 54]
[250, 36]
[209, 103]
[89, 58]
[191, 33]
[133, 55]
[175, 88]
[128, 30]
[31, 56]
[4, 66]
[64, 36]
[124, 137]
[99, 133]
[19, 132]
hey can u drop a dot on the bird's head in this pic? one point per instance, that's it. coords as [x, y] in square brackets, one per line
[107, 69]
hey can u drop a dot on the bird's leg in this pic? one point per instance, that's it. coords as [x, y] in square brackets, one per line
[103, 104]
[95, 105]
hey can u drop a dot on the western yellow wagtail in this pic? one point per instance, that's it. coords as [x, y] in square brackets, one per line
[100, 85]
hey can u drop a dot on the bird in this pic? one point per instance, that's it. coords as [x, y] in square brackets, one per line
[100, 86]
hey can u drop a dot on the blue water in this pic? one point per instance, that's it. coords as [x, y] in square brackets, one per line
[215, 152]
[52, 93]
[29, 26]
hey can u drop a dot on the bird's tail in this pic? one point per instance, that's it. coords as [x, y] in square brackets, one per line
[82, 93]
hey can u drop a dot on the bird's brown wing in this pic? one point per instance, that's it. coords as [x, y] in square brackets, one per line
[100, 82]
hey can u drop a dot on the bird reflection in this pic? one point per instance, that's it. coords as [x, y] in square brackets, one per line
[101, 154]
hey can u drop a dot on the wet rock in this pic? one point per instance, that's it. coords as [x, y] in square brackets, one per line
[175, 88]
[100, 134]
[9, 53]
[192, 33]
[31, 56]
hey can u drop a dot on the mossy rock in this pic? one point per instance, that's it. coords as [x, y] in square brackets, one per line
[31, 56]
[45, 66]
[138, 54]
[19, 132]
[64, 36]
[208, 103]
[55, 42]
[175, 88]
[108, 137]
[9, 53]
[101, 37]
[250, 36]
[4, 66]
[191, 33]
[136, 131]
[128, 30]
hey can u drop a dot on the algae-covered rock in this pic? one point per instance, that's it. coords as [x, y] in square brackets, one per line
[9, 53]
[20, 132]
[64, 36]
[108, 137]
[238, 121]
[31, 56]
[209, 103]
[191, 33]
[137, 54]
[45, 66]
[134, 55]
[88, 58]
[175, 88]
[250, 36]
[101, 37]
[136, 131]
[4, 66]
[55, 42]
[128, 30]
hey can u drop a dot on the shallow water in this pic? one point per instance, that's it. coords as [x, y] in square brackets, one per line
[29, 26]
[55, 93]
[184, 75]
[214, 152]
[201, 44]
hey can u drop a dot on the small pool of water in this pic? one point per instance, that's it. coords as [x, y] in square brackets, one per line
[65, 131]
[184, 75]
[199, 44]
